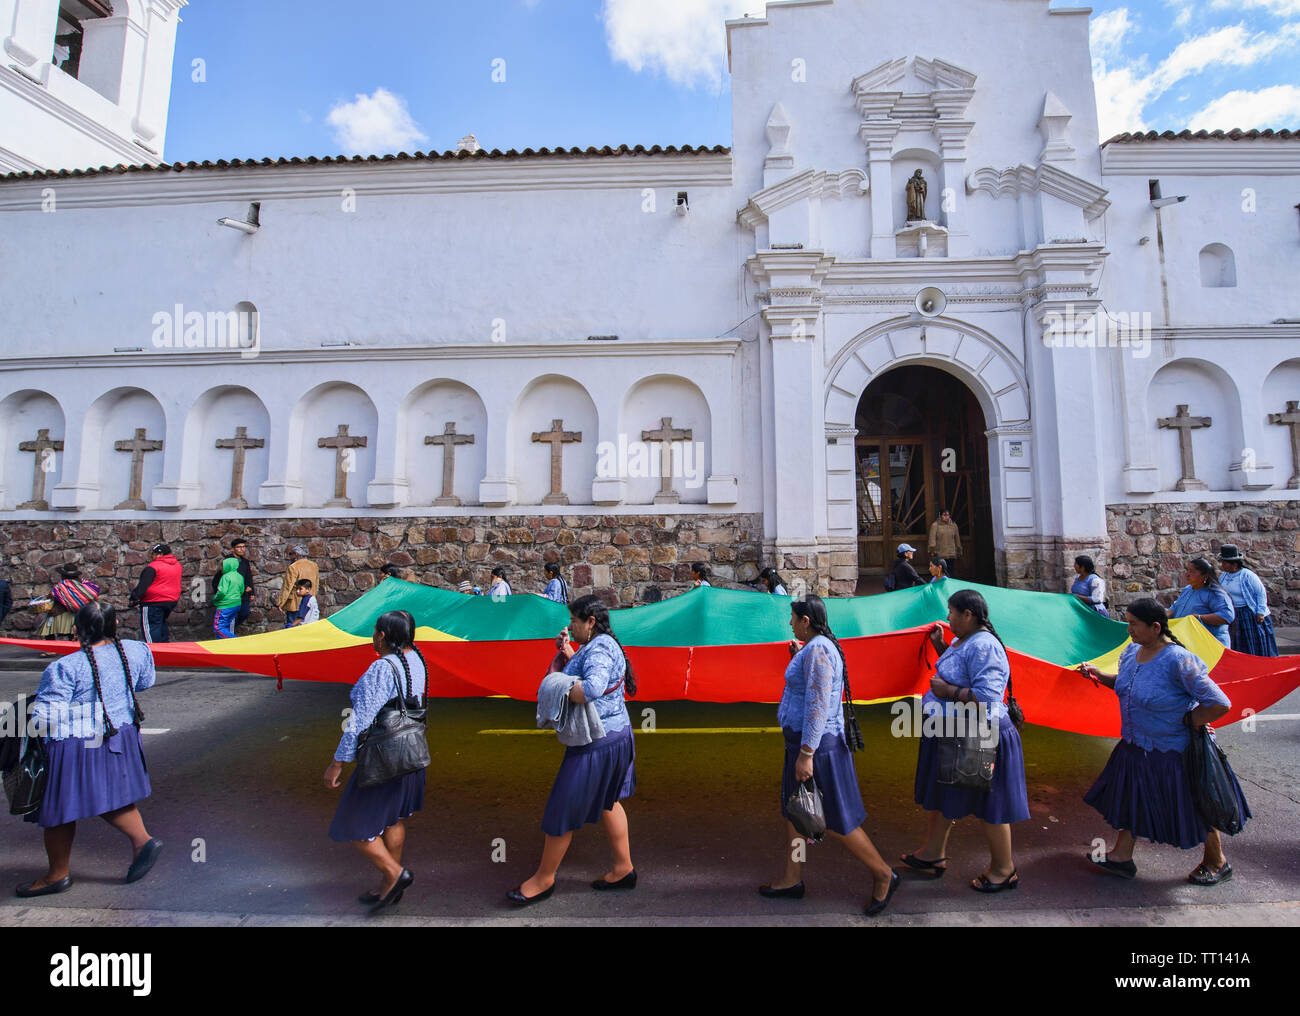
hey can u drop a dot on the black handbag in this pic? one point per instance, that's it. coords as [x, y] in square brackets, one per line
[396, 744]
[804, 810]
[1210, 777]
[965, 761]
[25, 769]
[852, 731]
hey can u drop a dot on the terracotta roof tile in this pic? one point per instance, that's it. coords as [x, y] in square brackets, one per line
[483, 155]
[1232, 135]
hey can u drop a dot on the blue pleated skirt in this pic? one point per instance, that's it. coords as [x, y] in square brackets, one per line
[592, 779]
[1148, 793]
[1007, 799]
[1249, 636]
[86, 781]
[836, 779]
[364, 814]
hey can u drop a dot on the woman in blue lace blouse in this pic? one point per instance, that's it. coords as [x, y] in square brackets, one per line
[1205, 599]
[1164, 691]
[595, 777]
[86, 706]
[974, 669]
[1251, 630]
[812, 721]
[372, 818]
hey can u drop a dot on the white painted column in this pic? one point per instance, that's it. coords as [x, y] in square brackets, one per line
[283, 486]
[79, 488]
[172, 493]
[609, 491]
[33, 25]
[388, 489]
[879, 136]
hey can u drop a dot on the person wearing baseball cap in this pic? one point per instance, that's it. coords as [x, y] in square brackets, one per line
[1251, 630]
[904, 575]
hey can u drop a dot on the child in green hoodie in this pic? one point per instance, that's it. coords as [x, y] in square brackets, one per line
[230, 593]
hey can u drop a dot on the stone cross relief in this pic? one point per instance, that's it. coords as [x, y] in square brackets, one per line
[557, 438]
[449, 439]
[241, 443]
[666, 436]
[44, 450]
[1291, 418]
[138, 446]
[343, 444]
[1185, 424]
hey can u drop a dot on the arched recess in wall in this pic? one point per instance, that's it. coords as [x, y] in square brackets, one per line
[227, 414]
[32, 436]
[1218, 267]
[548, 400]
[117, 419]
[340, 414]
[1208, 392]
[648, 404]
[451, 413]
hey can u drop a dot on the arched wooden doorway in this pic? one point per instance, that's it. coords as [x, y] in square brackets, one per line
[921, 448]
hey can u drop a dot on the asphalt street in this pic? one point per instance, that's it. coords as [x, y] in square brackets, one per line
[238, 799]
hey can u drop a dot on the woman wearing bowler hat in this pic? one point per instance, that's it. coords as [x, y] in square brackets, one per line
[1251, 630]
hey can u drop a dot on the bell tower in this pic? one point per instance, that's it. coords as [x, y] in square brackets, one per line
[85, 83]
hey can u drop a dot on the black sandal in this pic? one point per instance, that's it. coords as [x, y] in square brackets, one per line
[987, 886]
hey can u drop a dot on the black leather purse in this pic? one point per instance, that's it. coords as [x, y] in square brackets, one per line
[804, 810]
[966, 762]
[24, 764]
[396, 744]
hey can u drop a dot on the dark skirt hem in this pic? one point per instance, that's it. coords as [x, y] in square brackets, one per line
[86, 782]
[1007, 799]
[836, 779]
[1148, 793]
[363, 815]
[592, 779]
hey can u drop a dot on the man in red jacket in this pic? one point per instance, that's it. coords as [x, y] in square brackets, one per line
[157, 593]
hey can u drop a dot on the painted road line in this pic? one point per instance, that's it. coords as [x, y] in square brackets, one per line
[155, 730]
[679, 730]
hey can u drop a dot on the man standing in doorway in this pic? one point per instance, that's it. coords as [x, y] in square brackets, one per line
[301, 568]
[945, 540]
[157, 593]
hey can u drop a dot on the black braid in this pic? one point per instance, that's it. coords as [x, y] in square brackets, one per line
[423, 663]
[826, 631]
[406, 668]
[629, 680]
[109, 729]
[130, 683]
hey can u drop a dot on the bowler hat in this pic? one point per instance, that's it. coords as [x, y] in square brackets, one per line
[1230, 553]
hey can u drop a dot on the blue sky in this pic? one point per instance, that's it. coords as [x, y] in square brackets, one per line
[282, 78]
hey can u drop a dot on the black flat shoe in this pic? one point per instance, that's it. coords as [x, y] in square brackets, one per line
[877, 906]
[370, 899]
[628, 881]
[144, 861]
[520, 900]
[26, 892]
[404, 881]
[934, 869]
[1124, 869]
[794, 892]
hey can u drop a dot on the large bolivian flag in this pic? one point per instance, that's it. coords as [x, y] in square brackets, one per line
[722, 645]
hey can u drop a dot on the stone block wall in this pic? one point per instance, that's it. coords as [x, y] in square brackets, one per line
[621, 558]
[1151, 543]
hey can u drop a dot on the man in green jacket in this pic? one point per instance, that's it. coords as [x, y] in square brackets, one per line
[230, 594]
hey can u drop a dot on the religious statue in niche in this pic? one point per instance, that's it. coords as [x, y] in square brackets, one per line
[917, 189]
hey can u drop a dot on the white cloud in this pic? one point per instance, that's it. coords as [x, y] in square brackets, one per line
[1184, 9]
[1109, 31]
[1275, 107]
[1279, 7]
[1124, 91]
[685, 40]
[374, 124]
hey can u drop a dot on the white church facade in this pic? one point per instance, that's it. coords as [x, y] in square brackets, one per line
[918, 280]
